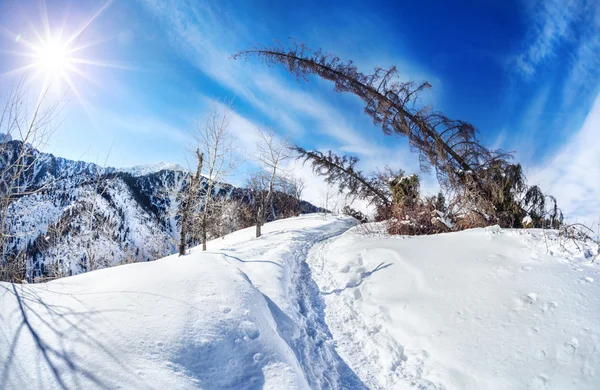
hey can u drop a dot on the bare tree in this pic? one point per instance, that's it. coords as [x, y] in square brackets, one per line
[188, 202]
[288, 199]
[272, 152]
[295, 189]
[30, 125]
[221, 157]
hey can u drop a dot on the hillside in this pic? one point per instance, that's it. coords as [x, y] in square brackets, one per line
[72, 210]
[317, 303]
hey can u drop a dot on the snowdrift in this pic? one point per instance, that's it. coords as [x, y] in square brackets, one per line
[318, 304]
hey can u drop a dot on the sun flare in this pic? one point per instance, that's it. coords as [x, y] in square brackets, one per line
[52, 57]
[58, 55]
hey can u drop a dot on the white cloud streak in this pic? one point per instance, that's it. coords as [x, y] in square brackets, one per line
[573, 173]
[551, 24]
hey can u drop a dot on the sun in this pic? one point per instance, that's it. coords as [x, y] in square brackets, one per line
[53, 58]
[57, 56]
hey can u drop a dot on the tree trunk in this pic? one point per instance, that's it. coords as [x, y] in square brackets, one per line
[183, 232]
[258, 221]
[204, 234]
[194, 180]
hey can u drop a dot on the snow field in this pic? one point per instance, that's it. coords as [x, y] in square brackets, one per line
[321, 304]
[234, 317]
[480, 309]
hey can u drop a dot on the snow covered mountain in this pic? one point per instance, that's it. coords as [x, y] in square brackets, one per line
[5, 137]
[143, 170]
[321, 304]
[82, 211]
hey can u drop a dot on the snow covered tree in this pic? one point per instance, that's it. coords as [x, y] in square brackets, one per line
[405, 190]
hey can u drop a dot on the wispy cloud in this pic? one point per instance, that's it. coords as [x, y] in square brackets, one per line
[571, 28]
[551, 23]
[573, 174]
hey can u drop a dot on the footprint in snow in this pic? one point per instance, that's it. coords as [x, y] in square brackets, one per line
[250, 329]
[549, 306]
[530, 298]
[360, 260]
[567, 351]
[539, 382]
[541, 355]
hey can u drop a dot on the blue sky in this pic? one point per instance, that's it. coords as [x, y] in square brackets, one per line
[525, 73]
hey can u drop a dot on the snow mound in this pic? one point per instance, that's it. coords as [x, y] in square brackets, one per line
[480, 309]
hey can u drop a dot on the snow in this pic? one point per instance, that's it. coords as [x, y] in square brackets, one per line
[234, 317]
[143, 170]
[479, 309]
[322, 304]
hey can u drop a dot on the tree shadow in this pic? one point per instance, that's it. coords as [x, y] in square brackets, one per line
[363, 276]
[56, 331]
[247, 261]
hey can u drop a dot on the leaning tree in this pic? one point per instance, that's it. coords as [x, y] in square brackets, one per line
[450, 147]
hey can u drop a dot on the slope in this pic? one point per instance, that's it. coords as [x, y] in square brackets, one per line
[242, 316]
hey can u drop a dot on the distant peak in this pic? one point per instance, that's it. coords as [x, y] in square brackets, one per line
[5, 137]
[142, 170]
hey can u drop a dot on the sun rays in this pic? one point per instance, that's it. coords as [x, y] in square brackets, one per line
[57, 56]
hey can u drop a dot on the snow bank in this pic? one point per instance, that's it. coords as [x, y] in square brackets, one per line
[480, 309]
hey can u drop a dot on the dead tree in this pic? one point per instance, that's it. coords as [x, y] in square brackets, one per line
[30, 127]
[450, 147]
[341, 170]
[190, 197]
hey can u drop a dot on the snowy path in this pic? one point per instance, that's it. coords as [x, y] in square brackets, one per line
[298, 307]
[480, 309]
[374, 354]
